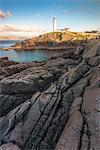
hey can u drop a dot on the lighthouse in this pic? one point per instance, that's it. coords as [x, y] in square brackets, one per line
[54, 24]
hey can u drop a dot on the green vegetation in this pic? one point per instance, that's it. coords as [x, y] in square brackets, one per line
[54, 39]
[64, 36]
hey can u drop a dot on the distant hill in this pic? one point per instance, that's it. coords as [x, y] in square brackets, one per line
[11, 38]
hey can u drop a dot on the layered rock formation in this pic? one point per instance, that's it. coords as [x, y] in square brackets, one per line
[53, 104]
[54, 40]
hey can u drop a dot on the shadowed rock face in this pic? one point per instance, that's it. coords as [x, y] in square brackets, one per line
[5, 62]
[52, 106]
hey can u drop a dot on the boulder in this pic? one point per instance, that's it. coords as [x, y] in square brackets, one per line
[91, 109]
[94, 51]
[9, 146]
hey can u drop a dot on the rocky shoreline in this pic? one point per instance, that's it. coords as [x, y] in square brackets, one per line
[53, 41]
[53, 104]
[44, 46]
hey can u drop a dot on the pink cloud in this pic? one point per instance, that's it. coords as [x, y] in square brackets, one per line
[21, 30]
[2, 14]
[5, 14]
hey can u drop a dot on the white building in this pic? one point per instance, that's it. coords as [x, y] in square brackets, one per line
[54, 24]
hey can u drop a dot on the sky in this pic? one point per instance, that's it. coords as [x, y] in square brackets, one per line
[32, 17]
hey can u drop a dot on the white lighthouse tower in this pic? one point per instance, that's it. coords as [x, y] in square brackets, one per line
[54, 24]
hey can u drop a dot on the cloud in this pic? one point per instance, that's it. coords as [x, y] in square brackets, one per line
[2, 14]
[21, 30]
[5, 14]
[78, 10]
[8, 28]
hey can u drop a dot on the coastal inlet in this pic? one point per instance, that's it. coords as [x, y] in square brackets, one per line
[26, 56]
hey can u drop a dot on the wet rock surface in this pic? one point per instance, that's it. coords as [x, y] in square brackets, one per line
[52, 105]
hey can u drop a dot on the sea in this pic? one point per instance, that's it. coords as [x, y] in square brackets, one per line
[28, 55]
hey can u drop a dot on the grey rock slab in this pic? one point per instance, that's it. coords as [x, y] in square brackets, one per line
[9, 146]
[70, 137]
[91, 113]
[94, 51]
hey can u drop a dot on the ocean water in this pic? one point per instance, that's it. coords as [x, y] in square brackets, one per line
[26, 56]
